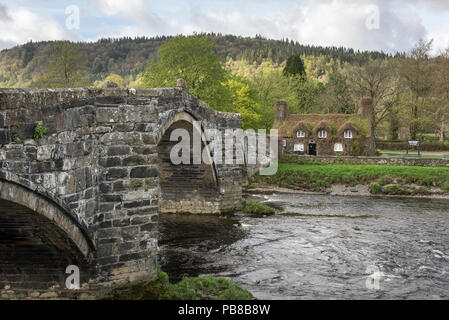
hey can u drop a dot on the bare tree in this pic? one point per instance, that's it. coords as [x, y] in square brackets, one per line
[379, 81]
[440, 110]
[416, 72]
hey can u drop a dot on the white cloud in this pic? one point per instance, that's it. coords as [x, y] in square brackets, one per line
[324, 22]
[440, 39]
[316, 22]
[20, 25]
[141, 21]
[137, 10]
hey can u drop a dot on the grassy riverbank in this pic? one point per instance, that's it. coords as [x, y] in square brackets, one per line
[203, 288]
[401, 180]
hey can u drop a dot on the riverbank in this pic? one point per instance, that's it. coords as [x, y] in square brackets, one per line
[360, 180]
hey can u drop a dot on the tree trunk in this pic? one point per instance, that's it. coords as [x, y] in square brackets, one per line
[372, 141]
[442, 135]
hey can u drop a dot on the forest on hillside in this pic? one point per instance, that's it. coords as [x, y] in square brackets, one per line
[128, 57]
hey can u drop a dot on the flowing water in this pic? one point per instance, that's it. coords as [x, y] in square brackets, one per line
[319, 247]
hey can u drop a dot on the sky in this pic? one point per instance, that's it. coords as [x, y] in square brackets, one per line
[387, 25]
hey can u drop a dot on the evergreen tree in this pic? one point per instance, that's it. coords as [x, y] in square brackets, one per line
[295, 67]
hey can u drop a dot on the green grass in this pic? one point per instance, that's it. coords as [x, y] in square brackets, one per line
[413, 154]
[319, 177]
[258, 208]
[203, 288]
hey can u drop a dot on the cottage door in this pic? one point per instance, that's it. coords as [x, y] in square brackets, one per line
[312, 149]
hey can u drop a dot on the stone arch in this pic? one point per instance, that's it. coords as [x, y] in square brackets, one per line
[16, 193]
[186, 116]
[38, 241]
[175, 181]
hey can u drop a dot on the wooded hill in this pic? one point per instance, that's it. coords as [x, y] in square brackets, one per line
[128, 57]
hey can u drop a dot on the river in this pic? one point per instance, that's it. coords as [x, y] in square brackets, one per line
[318, 247]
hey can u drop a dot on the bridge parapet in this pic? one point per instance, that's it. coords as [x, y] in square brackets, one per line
[100, 161]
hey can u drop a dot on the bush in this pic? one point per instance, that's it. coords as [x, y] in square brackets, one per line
[375, 188]
[258, 208]
[395, 189]
[423, 190]
[203, 288]
[445, 186]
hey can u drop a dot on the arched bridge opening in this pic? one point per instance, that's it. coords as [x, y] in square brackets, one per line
[38, 242]
[190, 186]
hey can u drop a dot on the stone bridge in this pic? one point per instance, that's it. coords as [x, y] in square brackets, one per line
[89, 190]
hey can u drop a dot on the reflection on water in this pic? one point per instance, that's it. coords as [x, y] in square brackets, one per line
[319, 247]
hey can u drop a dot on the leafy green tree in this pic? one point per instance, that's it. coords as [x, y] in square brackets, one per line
[244, 101]
[66, 68]
[114, 78]
[336, 96]
[191, 58]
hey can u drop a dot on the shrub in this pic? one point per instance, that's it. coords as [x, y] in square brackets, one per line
[423, 190]
[258, 208]
[394, 189]
[375, 188]
[203, 288]
[445, 186]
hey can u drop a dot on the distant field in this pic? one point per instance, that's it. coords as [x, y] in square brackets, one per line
[318, 177]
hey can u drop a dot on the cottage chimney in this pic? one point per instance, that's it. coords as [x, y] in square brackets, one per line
[281, 111]
[366, 107]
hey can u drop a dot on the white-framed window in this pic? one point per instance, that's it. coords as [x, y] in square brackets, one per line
[338, 147]
[348, 134]
[322, 134]
[284, 143]
[300, 134]
[299, 147]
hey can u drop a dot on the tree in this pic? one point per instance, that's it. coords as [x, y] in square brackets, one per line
[66, 68]
[337, 95]
[378, 81]
[295, 67]
[192, 59]
[416, 73]
[114, 78]
[440, 110]
[271, 86]
[244, 101]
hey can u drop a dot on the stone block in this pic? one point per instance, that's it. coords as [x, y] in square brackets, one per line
[5, 136]
[144, 172]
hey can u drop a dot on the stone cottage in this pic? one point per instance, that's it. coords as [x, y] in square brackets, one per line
[324, 134]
